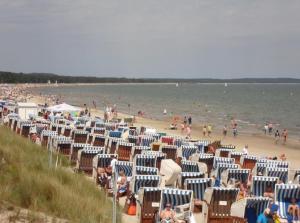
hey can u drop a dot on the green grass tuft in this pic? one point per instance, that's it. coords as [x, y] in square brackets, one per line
[27, 181]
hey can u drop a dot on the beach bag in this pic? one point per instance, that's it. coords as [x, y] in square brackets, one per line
[132, 209]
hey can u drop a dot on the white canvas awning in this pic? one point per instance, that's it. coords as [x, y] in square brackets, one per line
[63, 108]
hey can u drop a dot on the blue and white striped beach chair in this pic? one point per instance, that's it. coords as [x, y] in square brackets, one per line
[146, 140]
[187, 151]
[222, 167]
[144, 170]
[180, 200]
[236, 155]
[156, 136]
[297, 177]
[217, 205]
[261, 183]
[189, 166]
[140, 181]
[283, 195]
[281, 173]
[249, 208]
[115, 134]
[241, 175]
[188, 175]
[145, 160]
[159, 156]
[100, 131]
[112, 144]
[198, 186]
[125, 166]
[248, 161]
[218, 160]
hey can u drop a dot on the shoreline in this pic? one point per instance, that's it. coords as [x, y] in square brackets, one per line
[259, 144]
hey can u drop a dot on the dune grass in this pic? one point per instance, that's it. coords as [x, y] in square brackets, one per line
[27, 181]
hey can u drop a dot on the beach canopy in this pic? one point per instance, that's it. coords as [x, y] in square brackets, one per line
[63, 108]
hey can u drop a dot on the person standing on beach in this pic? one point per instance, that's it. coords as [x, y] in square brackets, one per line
[209, 130]
[190, 121]
[204, 130]
[185, 120]
[234, 130]
[270, 128]
[266, 128]
[284, 135]
[277, 136]
[188, 132]
[225, 130]
[165, 111]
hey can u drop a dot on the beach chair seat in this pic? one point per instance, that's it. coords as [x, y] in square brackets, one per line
[224, 152]
[112, 144]
[115, 134]
[159, 156]
[149, 203]
[236, 155]
[138, 150]
[248, 161]
[283, 195]
[98, 140]
[170, 151]
[281, 173]
[189, 166]
[217, 204]
[180, 200]
[45, 135]
[188, 175]
[146, 140]
[144, 170]
[74, 151]
[80, 136]
[169, 140]
[222, 167]
[249, 208]
[97, 130]
[225, 160]
[147, 160]
[67, 130]
[198, 186]
[85, 158]
[124, 150]
[133, 139]
[25, 128]
[260, 184]
[140, 181]
[187, 151]
[241, 175]
[64, 146]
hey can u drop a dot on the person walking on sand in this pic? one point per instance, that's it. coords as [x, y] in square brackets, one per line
[225, 130]
[209, 130]
[204, 130]
[190, 121]
[277, 136]
[266, 128]
[284, 135]
[270, 128]
[234, 131]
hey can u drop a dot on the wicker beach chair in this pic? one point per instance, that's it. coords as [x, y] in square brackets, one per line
[281, 173]
[170, 151]
[124, 150]
[115, 134]
[147, 160]
[80, 136]
[67, 130]
[248, 209]
[159, 156]
[198, 186]
[204, 159]
[187, 151]
[248, 161]
[180, 200]
[222, 167]
[169, 140]
[188, 175]
[133, 139]
[138, 150]
[85, 158]
[260, 184]
[202, 145]
[241, 175]
[146, 140]
[139, 181]
[103, 161]
[98, 140]
[218, 160]
[189, 166]
[149, 202]
[144, 170]
[224, 152]
[236, 155]
[74, 151]
[126, 167]
[45, 135]
[63, 146]
[217, 204]
[283, 195]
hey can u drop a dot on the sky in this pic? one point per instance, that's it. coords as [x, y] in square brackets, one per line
[151, 38]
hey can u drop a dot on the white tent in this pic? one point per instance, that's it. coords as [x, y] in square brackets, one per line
[63, 108]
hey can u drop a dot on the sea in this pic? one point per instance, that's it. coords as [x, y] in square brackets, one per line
[251, 105]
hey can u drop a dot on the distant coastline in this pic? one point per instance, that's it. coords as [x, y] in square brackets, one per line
[40, 78]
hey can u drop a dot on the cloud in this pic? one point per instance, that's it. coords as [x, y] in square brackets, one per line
[139, 38]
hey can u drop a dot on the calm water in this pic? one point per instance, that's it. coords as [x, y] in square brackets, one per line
[250, 104]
